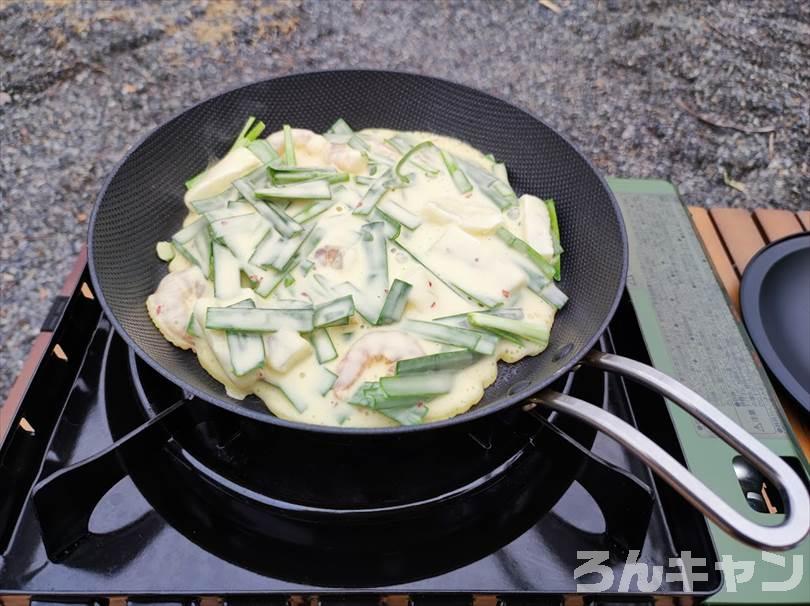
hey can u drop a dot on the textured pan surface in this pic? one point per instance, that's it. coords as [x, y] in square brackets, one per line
[142, 203]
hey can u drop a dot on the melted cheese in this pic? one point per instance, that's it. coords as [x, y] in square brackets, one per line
[456, 238]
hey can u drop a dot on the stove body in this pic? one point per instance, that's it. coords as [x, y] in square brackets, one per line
[537, 494]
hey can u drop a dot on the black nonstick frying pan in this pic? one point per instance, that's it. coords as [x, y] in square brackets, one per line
[141, 203]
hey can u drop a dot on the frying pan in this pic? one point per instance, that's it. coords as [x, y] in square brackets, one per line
[141, 203]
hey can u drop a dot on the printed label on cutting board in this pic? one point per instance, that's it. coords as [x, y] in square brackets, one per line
[670, 276]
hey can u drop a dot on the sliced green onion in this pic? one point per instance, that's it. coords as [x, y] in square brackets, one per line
[555, 237]
[289, 147]
[287, 177]
[250, 132]
[262, 149]
[258, 320]
[378, 189]
[448, 360]
[307, 190]
[227, 279]
[395, 302]
[407, 157]
[530, 331]
[333, 313]
[451, 335]
[399, 214]
[322, 344]
[496, 190]
[419, 386]
[526, 251]
[460, 180]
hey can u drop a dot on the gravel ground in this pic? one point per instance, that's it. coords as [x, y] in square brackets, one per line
[684, 91]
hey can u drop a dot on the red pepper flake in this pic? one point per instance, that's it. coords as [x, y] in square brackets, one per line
[506, 293]
[432, 305]
[158, 309]
[430, 283]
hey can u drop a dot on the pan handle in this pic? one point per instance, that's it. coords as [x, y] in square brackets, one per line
[788, 533]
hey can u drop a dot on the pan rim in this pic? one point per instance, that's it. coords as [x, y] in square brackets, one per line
[474, 413]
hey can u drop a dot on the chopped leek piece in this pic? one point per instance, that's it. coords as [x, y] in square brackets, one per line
[555, 237]
[421, 386]
[227, 282]
[531, 331]
[289, 146]
[378, 189]
[306, 190]
[451, 335]
[258, 320]
[250, 132]
[333, 313]
[448, 360]
[395, 302]
[460, 180]
[324, 349]
[526, 251]
[262, 149]
[492, 187]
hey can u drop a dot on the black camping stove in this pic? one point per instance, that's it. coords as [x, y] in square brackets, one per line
[210, 505]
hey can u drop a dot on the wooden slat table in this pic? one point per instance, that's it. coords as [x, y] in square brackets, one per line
[732, 236]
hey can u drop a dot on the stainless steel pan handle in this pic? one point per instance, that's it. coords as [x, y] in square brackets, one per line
[796, 523]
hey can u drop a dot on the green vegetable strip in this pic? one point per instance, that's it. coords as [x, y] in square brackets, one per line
[499, 170]
[246, 350]
[378, 189]
[463, 184]
[264, 151]
[407, 416]
[555, 237]
[399, 214]
[285, 178]
[194, 243]
[322, 343]
[289, 148]
[421, 386]
[451, 335]
[372, 395]
[399, 144]
[312, 210]
[285, 224]
[373, 239]
[407, 158]
[395, 302]
[530, 331]
[526, 251]
[258, 320]
[217, 202]
[461, 320]
[340, 127]
[496, 190]
[333, 313]
[248, 134]
[448, 360]
[308, 190]
[226, 272]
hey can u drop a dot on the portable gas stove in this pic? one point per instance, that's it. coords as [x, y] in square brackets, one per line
[525, 509]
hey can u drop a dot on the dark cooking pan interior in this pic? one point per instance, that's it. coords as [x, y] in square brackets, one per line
[142, 203]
